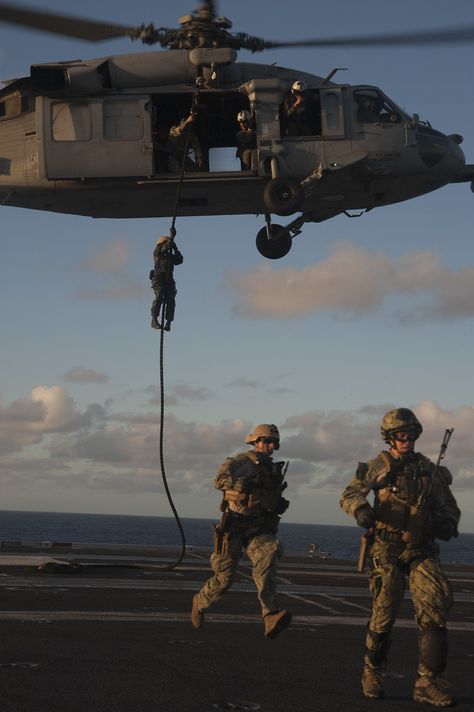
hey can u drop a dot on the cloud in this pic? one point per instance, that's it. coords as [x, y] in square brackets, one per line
[107, 278]
[126, 288]
[180, 393]
[353, 281]
[78, 374]
[243, 383]
[110, 259]
[46, 438]
[48, 409]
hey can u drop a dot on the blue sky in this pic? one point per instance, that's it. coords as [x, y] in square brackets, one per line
[78, 410]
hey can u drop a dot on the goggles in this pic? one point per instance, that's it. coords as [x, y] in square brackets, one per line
[268, 441]
[404, 436]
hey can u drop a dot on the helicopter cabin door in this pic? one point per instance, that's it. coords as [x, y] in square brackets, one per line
[96, 138]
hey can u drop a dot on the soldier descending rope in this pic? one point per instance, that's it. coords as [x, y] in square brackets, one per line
[166, 255]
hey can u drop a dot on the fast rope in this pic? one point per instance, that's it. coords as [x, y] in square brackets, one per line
[168, 567]
[74, 566]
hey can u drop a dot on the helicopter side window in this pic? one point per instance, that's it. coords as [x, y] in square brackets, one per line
[71, 121]
[122, 121]
[10, 106]
[331, 110]
[374, 108]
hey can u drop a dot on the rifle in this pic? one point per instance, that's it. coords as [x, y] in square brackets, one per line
[444, 446]
[442, 452]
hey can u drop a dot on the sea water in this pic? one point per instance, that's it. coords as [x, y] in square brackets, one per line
[339, 542]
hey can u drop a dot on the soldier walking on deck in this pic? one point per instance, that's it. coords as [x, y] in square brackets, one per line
[413, 505]
[166, 255]
[252, 486]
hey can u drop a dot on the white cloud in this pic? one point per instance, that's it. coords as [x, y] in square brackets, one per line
[79, 374]
[48, 409]
[112, 258]
[119, 453]
[354, 281]
[181, 393]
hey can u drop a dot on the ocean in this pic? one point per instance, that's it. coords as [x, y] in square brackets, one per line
[338, 542]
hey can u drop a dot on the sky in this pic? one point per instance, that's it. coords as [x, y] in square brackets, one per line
[361, 316]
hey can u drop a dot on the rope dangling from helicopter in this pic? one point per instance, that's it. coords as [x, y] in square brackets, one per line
[166, 256]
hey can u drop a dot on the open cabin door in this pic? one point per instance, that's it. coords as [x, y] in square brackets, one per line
[96, 138]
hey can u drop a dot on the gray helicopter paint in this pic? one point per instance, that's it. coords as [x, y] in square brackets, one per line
[98, 180]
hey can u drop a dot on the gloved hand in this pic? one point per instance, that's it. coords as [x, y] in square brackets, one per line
[365, 517]
[445, 529]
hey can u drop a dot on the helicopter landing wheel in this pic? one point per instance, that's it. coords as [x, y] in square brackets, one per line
[283, 195]
[275, 247]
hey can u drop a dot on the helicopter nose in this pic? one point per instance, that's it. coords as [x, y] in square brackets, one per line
[434, 146]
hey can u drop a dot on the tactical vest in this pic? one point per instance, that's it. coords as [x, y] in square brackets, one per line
[402, 493]
[258, 489]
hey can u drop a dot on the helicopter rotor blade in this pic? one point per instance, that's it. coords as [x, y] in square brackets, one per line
[68, 25]
[453, 35]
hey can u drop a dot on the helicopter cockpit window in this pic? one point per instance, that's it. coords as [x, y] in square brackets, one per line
[71, 121]
[122, 120]
[374, 108]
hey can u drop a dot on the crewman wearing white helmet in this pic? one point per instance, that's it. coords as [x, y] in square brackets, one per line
[252, 486]
[245, 140]
[166, 255]
[300, 114]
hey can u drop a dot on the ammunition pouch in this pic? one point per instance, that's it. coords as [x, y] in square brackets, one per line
[413, 533]
[386, 535]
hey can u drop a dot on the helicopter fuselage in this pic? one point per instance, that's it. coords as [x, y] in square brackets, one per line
[89, 138]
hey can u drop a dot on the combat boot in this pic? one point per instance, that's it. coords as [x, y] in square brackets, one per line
[276, 622]
[154, 323]
[433, 690]
[197, 616]
[372, 682]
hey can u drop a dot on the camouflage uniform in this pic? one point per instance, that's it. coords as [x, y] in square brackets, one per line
[166, 255]
[412, 504]
[252, 484]
[176, 145]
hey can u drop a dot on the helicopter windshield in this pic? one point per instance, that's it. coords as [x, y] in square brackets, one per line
[373, 107]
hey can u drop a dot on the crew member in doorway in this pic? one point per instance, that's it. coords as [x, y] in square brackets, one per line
[245, 140]
[252, 486]
[177, 139]
[299, 113]
[166, 255]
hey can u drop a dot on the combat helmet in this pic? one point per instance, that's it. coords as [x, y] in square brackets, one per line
[264, 430]
[400, 419]
[162, 240]
[298, 86]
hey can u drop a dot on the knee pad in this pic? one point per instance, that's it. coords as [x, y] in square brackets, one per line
[433, 648]
[377, 646]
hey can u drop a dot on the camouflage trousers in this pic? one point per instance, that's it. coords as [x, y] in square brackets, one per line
[429, 588]
[263, 550]
[165, 291]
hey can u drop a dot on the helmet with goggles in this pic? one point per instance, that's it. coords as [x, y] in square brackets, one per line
[264, 430]
[400, 420]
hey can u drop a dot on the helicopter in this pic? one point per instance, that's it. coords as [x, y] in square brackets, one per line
[90, 137]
